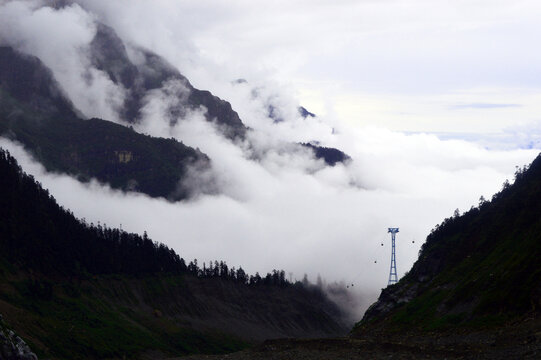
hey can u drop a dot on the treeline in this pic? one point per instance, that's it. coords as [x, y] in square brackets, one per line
[492, 250]
[36, 234]
[511, 199]
[220, 269]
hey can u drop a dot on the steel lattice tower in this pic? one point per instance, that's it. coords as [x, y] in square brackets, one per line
[393, 277]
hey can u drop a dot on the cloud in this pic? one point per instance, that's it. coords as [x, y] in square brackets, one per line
[273, 213]
[61, 39]
[405, 45]
[484, 106]
[267, 203]
[397, 64]
[438, 113]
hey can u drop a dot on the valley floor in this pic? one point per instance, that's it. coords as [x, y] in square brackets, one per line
[520, 341]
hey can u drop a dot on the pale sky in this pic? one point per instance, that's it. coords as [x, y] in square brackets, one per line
[444, 66]
[414, 65]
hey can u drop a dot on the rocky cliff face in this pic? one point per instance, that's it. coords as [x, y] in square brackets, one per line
[12, 347]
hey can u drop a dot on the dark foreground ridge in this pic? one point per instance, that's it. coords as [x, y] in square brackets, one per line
[74, 290]
[515, 342]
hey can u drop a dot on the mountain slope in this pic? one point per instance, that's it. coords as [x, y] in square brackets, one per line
[33, 111]
[76, 291]
[29, 82]
[108, 53]
[478, 270]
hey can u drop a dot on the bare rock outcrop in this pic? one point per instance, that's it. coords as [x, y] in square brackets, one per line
[12, 347]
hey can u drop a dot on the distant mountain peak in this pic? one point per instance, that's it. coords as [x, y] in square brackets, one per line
[109, 54]
[305, 113]
[331, 156]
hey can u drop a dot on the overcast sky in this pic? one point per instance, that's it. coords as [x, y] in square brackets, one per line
[410, 65]
[435, 101]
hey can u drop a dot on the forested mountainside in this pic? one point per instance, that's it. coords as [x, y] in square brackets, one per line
[109, 54]
[34, 112]
[76, 290]
[476, 270]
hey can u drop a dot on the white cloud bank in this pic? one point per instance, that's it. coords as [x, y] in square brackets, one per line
[406, 61]
[304, 223]
[60, 38]
[283, 210]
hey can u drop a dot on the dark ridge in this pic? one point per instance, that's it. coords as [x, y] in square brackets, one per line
[331, 156]
[36, 233]
[108, 152]
[305, 113]
[39, 235]
[109, 54]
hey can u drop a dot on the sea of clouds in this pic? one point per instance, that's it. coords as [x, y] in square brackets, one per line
[265, 203]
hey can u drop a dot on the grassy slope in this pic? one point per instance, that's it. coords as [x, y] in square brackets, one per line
[116, 315]
[65, 319]
[478, 270]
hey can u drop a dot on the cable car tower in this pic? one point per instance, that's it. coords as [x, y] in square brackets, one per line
[393, 278]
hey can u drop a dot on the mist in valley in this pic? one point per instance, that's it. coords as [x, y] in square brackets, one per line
[266, 202]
